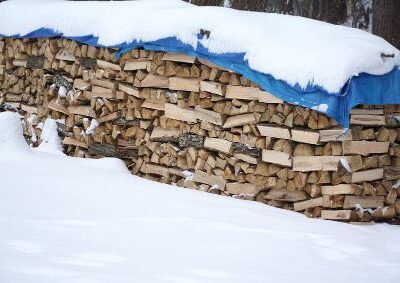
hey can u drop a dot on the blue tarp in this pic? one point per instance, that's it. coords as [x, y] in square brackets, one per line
[361, 89]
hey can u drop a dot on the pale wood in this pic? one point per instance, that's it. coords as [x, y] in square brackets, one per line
[241, 188]
[155, 81]
[239, 120]
[220, 145]
[276, 157]
[177, 83]
[311, 203]
[160, 133]
[211, 87]
[212, 180]
[367, 176]
[56, 106]
[250, 93]
[338, 214]
[366, 111]
[75, 142]
[107, 65]
[304, 136]
[148, 168]
[136, 65]
[129, 90]
[19, 62]
[367, 120]
[208, 116]
[341, 189]
[81, 84]
[29, 109]
[153, 105]
[274, 132]
[82, 110]
[178, 57]
[363, 201]
[316, 163]
[109, 117]
[98, 91]
[285, 195]
[365, 147]
[104, 83]
[173, 111]
[334, 135]
[65, 56]
[246, 158]
[212, 65]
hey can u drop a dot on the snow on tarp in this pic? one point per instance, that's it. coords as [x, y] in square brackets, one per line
[314, 64]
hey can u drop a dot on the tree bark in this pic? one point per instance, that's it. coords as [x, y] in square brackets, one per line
[386, 20]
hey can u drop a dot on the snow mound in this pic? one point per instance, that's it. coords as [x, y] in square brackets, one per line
[297, 50]
[11, 135]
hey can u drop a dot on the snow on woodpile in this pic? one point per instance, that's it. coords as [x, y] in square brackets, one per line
[294, 49]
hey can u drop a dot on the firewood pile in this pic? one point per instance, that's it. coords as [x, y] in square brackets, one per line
[182, 120]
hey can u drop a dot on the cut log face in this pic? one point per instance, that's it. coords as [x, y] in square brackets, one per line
[185, 121]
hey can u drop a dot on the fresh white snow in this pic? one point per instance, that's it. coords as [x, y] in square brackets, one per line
[65, 219]
[294, 49]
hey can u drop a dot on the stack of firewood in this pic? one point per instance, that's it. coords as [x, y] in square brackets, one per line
[183, 120]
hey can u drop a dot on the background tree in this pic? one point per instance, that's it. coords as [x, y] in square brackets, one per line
[386, 20]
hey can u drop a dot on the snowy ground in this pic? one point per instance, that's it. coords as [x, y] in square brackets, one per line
[64, 219]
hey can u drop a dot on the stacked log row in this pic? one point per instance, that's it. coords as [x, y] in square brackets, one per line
[182, 120]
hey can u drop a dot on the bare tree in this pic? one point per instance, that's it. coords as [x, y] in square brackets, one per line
[386, 20]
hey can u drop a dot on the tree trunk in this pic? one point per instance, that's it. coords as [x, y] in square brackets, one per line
[386, 20]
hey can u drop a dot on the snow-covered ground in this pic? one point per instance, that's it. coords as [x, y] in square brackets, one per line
[65, 219]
